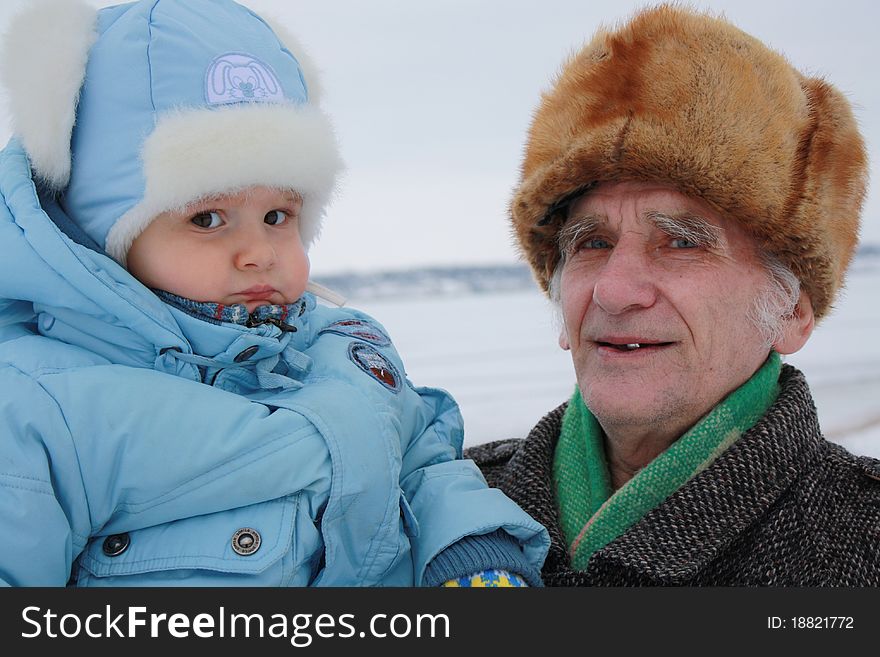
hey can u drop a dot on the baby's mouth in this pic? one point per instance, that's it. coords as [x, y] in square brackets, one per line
[258, 292]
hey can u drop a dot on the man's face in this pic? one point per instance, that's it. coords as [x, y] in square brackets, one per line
[243, 248]
[651, 267]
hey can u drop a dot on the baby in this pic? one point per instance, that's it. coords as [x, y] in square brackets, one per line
[177, 408]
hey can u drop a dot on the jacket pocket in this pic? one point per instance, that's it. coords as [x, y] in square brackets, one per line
[202, 550]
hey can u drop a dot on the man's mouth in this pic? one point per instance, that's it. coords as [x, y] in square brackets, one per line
[632, 345]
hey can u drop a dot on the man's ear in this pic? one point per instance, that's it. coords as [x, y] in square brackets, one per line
[797, 328]
[563, 338]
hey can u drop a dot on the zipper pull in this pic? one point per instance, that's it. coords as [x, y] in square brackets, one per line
[287, 328]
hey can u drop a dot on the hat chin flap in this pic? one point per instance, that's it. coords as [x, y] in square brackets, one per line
[42, 66]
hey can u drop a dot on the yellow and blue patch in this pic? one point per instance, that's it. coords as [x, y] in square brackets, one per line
[494, 579]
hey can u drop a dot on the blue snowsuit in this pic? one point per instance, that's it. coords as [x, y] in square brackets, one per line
[136, 440]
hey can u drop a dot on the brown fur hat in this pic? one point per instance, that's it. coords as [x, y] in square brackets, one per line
[687, 99]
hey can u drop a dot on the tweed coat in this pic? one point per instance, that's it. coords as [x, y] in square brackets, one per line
[781, 507]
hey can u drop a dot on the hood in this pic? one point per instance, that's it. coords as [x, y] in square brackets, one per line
[146, 107]
[53, 282]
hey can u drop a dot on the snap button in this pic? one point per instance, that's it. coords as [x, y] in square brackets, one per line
[247, 353]
[246, 541]
[116, 544]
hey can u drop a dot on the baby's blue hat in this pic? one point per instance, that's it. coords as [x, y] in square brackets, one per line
[141, 108]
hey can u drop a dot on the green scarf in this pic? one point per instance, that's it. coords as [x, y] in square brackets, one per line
[592, 515]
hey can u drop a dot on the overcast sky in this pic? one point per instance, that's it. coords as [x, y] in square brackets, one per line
[432, 99]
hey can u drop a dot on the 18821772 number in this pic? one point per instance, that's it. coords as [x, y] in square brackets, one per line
[822, 622]
[810, 623]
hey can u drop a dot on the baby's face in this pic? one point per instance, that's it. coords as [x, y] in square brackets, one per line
[239, 249]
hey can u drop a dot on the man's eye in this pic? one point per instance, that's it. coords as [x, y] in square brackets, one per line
[275, 217]
[595, 243]
[210, 219]
[683, 243]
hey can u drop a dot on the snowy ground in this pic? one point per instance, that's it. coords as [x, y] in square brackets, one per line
[497, 355]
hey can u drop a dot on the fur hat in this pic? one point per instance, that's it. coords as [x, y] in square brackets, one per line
[689, 100]
[145, 107]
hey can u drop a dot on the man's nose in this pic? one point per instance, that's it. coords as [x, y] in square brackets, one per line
[626, 280]
[255, 249]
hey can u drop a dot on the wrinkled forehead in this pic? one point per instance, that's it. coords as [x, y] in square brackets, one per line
[653, 211]
[613, 201]
[657, 206]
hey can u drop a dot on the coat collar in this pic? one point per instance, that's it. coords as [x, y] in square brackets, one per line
[679, 538]
[224, 337]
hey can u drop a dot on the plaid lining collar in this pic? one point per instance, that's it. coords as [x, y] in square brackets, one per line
[281, 316]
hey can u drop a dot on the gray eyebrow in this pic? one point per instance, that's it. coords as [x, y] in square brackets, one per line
[687, 226]
[574, 230]
[683, 225]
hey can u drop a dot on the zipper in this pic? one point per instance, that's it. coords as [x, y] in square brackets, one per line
[287, 328]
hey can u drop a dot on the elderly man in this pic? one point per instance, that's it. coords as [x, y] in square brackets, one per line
[691, 203]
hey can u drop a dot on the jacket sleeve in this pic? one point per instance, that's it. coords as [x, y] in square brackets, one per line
[474, 559]
[42, 500]
[449, 498]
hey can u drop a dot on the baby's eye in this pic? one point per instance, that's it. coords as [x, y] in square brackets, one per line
[210, 219]
[275, 217]
[683, 243]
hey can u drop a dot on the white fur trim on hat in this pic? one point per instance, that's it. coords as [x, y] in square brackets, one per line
[193, 154]
[43, 83]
